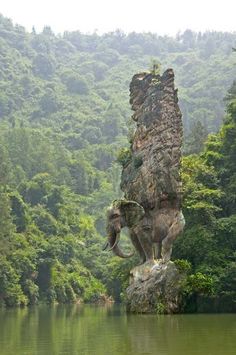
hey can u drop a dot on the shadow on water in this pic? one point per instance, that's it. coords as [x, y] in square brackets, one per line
[88, 330]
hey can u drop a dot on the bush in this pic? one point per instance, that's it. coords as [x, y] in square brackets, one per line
[10, 290]
[200, 284]
[124, 156]
[32, 291]
[183, 265]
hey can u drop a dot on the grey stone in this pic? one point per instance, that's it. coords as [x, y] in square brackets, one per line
[151, 183]
[155, 289]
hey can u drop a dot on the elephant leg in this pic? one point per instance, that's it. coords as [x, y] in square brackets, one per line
[175, 229]
[155, 251]
[158, 250]
[145, 240]
[166, 250]
[136, 243]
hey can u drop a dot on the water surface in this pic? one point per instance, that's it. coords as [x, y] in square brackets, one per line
[88, 330]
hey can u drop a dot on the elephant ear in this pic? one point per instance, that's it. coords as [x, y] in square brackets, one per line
[132, 211]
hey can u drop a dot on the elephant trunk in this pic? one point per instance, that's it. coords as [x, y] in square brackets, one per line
[118, 252]
[113, 240]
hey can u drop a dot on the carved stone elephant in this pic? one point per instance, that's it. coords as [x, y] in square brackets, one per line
[152, 233]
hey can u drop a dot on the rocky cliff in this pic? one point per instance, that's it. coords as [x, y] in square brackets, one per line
[151, 177]
[155, 289]
[152, 173]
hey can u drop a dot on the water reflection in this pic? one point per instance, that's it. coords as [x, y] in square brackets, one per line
[88, 330]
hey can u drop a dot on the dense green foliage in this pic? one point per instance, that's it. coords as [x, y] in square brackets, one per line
[209, 241]
[63, 117]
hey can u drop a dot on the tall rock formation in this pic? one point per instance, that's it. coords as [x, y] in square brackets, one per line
[152, 178]
[152, 189]
[153, 173]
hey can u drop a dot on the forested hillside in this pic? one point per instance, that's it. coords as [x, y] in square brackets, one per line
[64, 114]
[209, 241]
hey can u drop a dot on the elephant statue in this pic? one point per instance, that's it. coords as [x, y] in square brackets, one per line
[152, 232]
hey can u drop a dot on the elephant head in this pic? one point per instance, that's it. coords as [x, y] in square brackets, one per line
[122, 213]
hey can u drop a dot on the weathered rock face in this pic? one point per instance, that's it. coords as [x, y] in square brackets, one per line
[152, 187]
[153, 173]
[152, 178]
[155, 289]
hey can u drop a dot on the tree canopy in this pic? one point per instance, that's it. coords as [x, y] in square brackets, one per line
[64, 115]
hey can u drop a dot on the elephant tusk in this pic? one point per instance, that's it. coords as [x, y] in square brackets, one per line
[117, 239]
[114, 245]
[119, 253]
[105, 246]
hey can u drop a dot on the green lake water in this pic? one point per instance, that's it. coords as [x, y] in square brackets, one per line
[88, 330]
